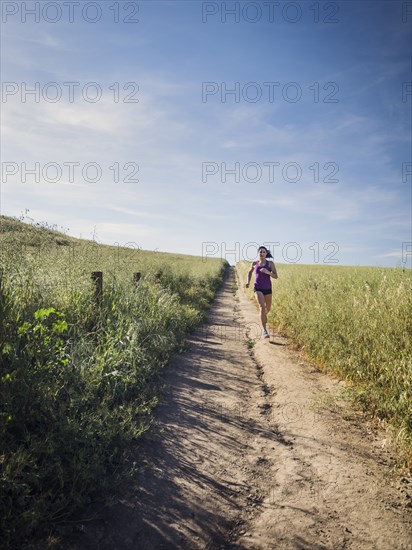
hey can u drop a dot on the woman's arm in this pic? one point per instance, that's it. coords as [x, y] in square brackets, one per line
[249, 275]
[273, 272]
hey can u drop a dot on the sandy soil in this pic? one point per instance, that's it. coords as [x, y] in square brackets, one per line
[256, 449]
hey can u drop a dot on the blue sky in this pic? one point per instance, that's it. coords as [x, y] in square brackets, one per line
[314, 157]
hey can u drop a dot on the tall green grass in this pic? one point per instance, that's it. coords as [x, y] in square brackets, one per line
[78, 381]
[357, 322]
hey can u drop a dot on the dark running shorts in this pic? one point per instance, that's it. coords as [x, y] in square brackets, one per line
[265, 292]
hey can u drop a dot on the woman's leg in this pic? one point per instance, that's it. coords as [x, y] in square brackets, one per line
[262, 305]
[268, 302]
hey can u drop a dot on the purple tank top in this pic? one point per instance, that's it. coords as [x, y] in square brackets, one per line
[262, 281]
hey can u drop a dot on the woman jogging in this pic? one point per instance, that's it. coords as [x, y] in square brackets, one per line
[264, 270]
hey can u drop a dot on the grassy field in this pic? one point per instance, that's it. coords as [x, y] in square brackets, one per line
[356, 322]
[78, 380]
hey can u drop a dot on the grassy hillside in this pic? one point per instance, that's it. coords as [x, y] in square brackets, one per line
[357, 322]
[78, 379]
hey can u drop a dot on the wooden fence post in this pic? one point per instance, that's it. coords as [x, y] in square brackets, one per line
[97, 278]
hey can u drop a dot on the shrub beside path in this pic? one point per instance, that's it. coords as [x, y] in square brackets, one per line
[254, 448]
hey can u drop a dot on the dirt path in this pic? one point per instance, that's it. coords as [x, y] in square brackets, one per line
[253, 451]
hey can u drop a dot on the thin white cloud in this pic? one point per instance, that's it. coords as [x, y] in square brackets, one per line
[125, 230]
[391, 254]
[144, 214]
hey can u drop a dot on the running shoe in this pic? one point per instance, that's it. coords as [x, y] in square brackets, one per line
[265, 334]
